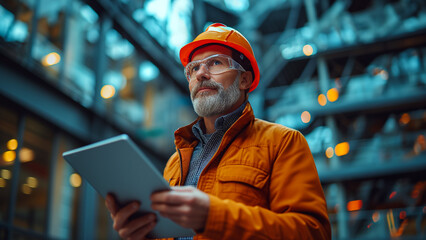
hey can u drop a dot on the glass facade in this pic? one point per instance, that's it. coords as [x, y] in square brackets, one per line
[81, 46]
[34, 157]
[9, 144]
[16, 24]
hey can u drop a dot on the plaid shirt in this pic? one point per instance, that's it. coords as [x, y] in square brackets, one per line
[207, 146]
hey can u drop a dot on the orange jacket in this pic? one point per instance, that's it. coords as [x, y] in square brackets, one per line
[262, 183]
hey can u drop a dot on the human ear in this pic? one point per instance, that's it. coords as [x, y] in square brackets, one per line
[246, 80]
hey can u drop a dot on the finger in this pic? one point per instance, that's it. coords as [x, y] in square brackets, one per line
[172, 198]
[142, 232]
[111, 204]
[136, 224]
[166, 209]
[183, 188]
[123, 214]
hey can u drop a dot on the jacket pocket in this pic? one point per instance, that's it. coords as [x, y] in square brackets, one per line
[243, 183]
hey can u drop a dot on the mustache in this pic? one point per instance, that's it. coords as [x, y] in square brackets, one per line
[202, 84]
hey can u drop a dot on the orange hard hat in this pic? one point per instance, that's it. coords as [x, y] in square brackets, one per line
[221, 34]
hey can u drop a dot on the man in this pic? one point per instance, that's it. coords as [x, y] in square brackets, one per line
[234, 176]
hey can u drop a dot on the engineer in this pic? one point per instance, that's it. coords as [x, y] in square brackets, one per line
[234, 176]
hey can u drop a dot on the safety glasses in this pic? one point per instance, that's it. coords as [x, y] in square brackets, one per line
[215, 64]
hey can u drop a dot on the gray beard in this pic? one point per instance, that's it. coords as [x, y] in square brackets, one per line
[210, 105]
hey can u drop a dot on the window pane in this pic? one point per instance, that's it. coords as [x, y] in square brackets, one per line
[82, 37]
[8, 135]
[15, 24]
[122, 83]
[48, 47]
[66, 192]
[34, 156]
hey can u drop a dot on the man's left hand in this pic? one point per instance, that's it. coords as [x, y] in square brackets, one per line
[187, 206]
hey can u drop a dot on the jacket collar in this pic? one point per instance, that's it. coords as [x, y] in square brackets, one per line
[184, 137]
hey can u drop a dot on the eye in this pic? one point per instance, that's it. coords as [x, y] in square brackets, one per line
[194, 68]
[217, 62]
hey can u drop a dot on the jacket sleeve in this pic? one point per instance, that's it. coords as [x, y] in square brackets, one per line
[297, 207]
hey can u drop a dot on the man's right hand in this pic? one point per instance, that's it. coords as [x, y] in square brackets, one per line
[135, 228]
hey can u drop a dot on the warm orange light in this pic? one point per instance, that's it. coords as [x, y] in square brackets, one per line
[392, 195]
[332, 95]
[376, 216]
[306, 117]
[354, 205]
[342, 149]
[26, 155]
[322, 100]
[308, 50]
[2, 183]
[26, 189]
[75, 180]
[32, 182]
[329, 152]
[12, 144]
[51, 59]
[9, 156]
[107, 91]
[405, 119]
[6, 174]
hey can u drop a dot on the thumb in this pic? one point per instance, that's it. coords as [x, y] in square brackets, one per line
[183, 188]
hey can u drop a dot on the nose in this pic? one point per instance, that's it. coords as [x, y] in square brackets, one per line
[203, 73]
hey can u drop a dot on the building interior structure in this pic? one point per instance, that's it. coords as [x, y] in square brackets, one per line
[350, 75]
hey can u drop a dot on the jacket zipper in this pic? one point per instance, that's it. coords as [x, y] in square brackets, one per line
[181, 167]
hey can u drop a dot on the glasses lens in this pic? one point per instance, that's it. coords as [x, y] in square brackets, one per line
[218, 64]
[215, 64]
[192, 68]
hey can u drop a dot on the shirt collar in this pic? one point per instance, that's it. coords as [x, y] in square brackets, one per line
[222, 123]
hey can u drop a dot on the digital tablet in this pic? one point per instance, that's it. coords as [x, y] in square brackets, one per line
[117, 165]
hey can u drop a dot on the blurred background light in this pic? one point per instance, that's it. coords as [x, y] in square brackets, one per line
[9, 156]
[107, 91]
[342, 149]
[329, 153]
[32, 182]
[322, 100]
[89, 14]
[158, 8]
[51, 59]
[332, 95]
[237, 5]
[26, 155]
[354, 205]
[405, 119]
[306, 117]
[6, 174]
[75, 180]
[12, 144]
[148, 71]
[26, 189]
[308, 50]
